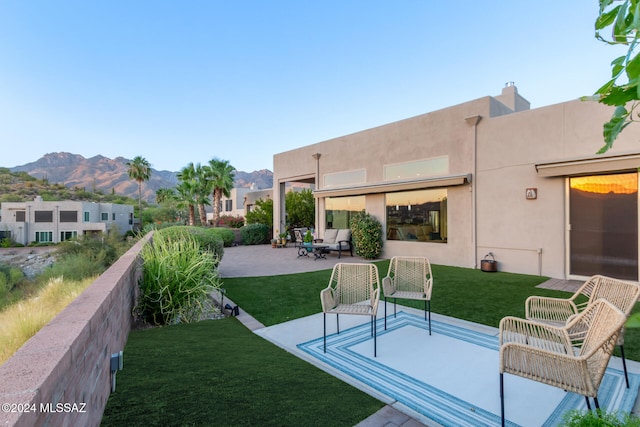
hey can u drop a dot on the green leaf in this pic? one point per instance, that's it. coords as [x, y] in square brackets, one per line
[620, 28]
[606, 88]
[633, 68]
[619, 95]
[606, 19]
[613, 127]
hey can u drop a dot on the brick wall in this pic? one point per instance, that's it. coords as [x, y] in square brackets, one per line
[62, 375]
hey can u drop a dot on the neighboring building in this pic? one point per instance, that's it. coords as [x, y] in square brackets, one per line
[42, 222]
[232, 205]
[486, 176]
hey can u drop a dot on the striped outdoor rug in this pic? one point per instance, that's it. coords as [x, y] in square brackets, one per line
[452, 376]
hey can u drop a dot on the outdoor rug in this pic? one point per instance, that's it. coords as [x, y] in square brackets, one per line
[452, 376]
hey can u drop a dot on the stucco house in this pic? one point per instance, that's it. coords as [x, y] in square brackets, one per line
[489, 175]
[55, 221]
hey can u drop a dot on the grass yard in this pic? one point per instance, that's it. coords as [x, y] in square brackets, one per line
[217, 372]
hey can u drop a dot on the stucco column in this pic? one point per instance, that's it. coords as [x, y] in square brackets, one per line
[316, 156]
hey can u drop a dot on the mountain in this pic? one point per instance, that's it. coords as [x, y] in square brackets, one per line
[110, 175]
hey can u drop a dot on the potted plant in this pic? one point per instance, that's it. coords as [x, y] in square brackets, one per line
[307, 240]
[283, 238]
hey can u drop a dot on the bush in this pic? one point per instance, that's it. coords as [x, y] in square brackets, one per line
[74, 267]
[227, 236]
[177, 278]
[208, 240]
[367, 235]
[255, 234]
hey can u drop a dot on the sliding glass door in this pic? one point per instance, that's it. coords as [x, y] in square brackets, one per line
[603, 222]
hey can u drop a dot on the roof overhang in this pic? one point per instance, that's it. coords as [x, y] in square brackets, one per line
[394, 186]
[590, 165]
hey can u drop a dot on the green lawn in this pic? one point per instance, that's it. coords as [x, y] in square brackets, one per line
[219, 373]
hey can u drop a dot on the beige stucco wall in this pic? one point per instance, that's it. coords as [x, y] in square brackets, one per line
[490, 214]
[509, 225]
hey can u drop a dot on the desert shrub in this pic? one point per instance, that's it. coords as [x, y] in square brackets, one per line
[225, 234]
[254, 234]
[176, 281]
[208, 240]
[367, 235]
[74, 267]
[10, 277]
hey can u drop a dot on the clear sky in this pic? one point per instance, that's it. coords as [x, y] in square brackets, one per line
[240, 80]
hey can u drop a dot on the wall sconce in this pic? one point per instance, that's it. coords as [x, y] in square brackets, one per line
[531, 193]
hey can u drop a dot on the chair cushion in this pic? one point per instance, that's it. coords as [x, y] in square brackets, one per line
[343, 234]
[330, 236]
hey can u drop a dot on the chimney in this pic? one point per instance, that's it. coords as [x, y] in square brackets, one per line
[511, 99]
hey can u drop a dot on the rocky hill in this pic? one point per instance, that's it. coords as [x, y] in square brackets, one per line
[110, 175]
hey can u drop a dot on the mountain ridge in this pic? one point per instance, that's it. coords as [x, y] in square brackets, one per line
[111, 175]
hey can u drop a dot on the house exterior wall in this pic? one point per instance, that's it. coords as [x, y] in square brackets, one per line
[102, 217]
[497, 142]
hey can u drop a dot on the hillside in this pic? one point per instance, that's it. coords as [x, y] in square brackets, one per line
[110, 175]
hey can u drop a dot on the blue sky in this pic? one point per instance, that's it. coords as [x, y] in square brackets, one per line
[187, 81]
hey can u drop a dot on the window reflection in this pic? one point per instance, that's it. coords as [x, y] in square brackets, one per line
[339, 210]
[418, 216]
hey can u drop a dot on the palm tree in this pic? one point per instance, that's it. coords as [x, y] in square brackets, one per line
[186, 199]
[221, 175]
[165, 195]
[199, 188]
[139, 170]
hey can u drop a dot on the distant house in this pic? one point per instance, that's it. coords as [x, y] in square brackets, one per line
[488, 176]
[56, 221]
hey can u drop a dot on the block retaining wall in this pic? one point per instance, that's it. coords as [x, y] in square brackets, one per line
[62, 375]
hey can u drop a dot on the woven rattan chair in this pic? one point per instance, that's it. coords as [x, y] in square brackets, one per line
[408, 278]
[353, 289]
[557, 311]
[572, 357]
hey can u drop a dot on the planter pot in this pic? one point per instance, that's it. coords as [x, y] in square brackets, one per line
[489, 265]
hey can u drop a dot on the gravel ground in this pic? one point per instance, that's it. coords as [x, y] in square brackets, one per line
[32, 261]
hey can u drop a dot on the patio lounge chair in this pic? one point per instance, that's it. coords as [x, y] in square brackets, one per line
[338, 240]
[557, 311]
[573, 357]
[408, 278]
[353, 289]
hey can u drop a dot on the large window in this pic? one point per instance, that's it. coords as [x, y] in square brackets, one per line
[417, 216]
[66, 235]
[339, 210]
[341, 179]
[43, 216]
[44, 236]
[417, 169]
[68, 216]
